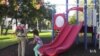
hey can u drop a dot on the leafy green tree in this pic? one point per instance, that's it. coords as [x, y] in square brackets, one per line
[28, 10]
[3, 13]
[72, 20]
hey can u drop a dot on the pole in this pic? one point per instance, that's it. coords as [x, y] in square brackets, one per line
[85, 24]
[99, 10]
[99, 20]
[94, 22]
[52, 24]
[67, 11]
[77, 14]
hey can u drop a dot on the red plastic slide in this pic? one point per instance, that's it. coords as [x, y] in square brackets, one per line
[58, 40]
[64, 39]
[66, 44]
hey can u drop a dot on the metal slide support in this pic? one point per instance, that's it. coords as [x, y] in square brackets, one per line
[77, 17]
[52, 24]
[85, 24]
[99, 10]
[67, 11]
[77, 12]
[98, 26]
[95, 17]
[99, 20]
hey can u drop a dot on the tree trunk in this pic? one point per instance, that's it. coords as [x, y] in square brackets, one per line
[2, 26]
[8, 27]
[37, 24]
[1, 29]
[40, 24]
[16, 21]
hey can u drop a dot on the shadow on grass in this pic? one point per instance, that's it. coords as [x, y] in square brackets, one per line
[7, 42]
[4, 38]
[44, 31]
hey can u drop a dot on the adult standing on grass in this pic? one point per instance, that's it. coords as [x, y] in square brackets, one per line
[21, 34]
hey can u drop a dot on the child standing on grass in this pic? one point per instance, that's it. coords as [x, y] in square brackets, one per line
[38, 42]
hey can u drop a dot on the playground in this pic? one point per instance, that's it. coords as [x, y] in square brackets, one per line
[67, 37]
[68, 34]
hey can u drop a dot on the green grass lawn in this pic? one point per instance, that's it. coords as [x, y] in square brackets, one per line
[10, 39]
